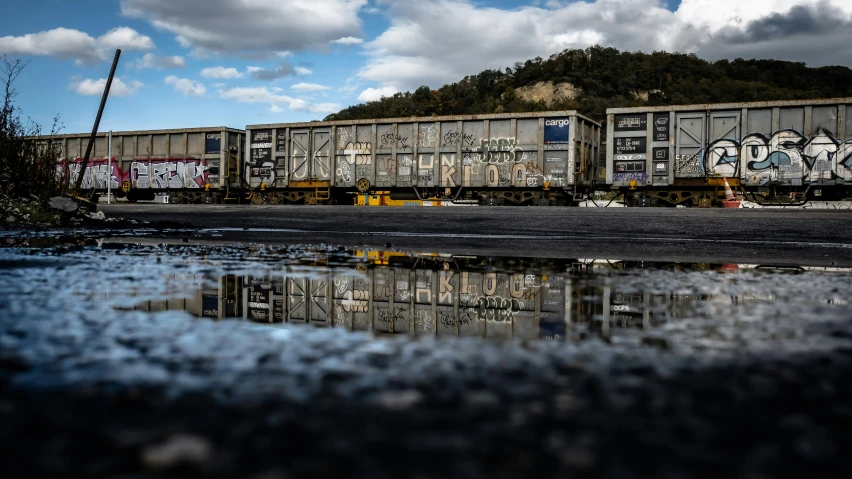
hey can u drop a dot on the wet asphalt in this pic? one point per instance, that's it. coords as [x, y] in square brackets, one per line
[88, 388]
[807, 237]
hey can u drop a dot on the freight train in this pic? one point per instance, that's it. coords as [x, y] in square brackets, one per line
[783, 151]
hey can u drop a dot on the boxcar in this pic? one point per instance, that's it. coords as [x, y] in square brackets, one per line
[191, 165]
[519, 158]
[684, 154]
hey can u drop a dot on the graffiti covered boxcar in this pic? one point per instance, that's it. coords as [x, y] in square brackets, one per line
[191, 165]
[683, 154]
[518, 158]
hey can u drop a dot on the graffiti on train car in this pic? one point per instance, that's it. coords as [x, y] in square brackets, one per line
[629, 176]
[142, 173]
[389, 139]
[499, 150]
[785, 155]
[428, 136]
[97, 172]
[169, 173]
[454, 138]
[688, 165]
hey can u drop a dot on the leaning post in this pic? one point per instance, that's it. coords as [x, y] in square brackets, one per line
[97, 122]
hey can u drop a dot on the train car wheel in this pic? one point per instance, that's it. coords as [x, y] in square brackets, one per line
[543, 201]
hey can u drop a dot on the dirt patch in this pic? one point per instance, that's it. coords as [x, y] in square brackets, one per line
[548, 92]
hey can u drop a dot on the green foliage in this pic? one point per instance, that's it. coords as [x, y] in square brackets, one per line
[609, 78]
[27, 167]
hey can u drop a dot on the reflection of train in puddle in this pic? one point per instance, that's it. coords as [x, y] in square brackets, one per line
[446, 295]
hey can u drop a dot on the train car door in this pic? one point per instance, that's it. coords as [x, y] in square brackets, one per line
[311, 155]
[721, 158]
[300, 148]
[321, 155]
[689, 142]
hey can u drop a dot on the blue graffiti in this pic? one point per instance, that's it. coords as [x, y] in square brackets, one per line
[629, 176]
[774, 160]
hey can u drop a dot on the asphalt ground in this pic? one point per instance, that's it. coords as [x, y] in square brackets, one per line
[89, 389]
[804, 237]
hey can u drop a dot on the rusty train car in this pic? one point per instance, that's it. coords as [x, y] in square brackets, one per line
[193, 165]
[782, 151]
[519, 158]
[672, 155]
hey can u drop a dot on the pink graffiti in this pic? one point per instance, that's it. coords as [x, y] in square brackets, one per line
[96, 175]
[154, 173]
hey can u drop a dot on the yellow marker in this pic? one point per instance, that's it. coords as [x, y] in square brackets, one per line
[632, 184]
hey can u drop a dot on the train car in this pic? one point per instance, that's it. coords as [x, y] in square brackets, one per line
[512, 159]
[775, 151]
[191, 165]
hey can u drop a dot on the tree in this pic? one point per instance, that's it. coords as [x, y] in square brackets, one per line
[609, 78]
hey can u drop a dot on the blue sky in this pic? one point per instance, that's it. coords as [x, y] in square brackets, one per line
[193, 63]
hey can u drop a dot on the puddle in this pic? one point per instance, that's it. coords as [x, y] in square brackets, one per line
[686, 306]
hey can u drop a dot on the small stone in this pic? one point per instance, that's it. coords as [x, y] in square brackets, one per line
[400, 400]
[180, 448]
[656, 342]
[64, 204]
[482, 399]
[577, 457]
[10, 219]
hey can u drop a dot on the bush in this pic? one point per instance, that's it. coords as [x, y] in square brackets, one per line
[28, 167]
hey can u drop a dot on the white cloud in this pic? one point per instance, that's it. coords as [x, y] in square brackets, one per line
[373, 94]
[270, 97]
[309, 87]
[251, 26]
[221, 73]
[303, 71]
[96, 87]
[149, 60]
[186, 86]
[422, 47]
[348, 41]
[275, 109]
[125, 38]
[66, 43]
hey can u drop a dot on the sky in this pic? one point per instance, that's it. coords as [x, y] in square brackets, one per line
[198, 63]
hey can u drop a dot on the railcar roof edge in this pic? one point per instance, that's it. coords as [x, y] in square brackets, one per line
[729, 106]
[427, 119]
[103, 134]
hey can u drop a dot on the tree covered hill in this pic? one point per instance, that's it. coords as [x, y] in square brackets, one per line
[598, 78]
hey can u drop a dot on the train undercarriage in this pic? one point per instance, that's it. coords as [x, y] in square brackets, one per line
[713, 196]
[702, 194]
